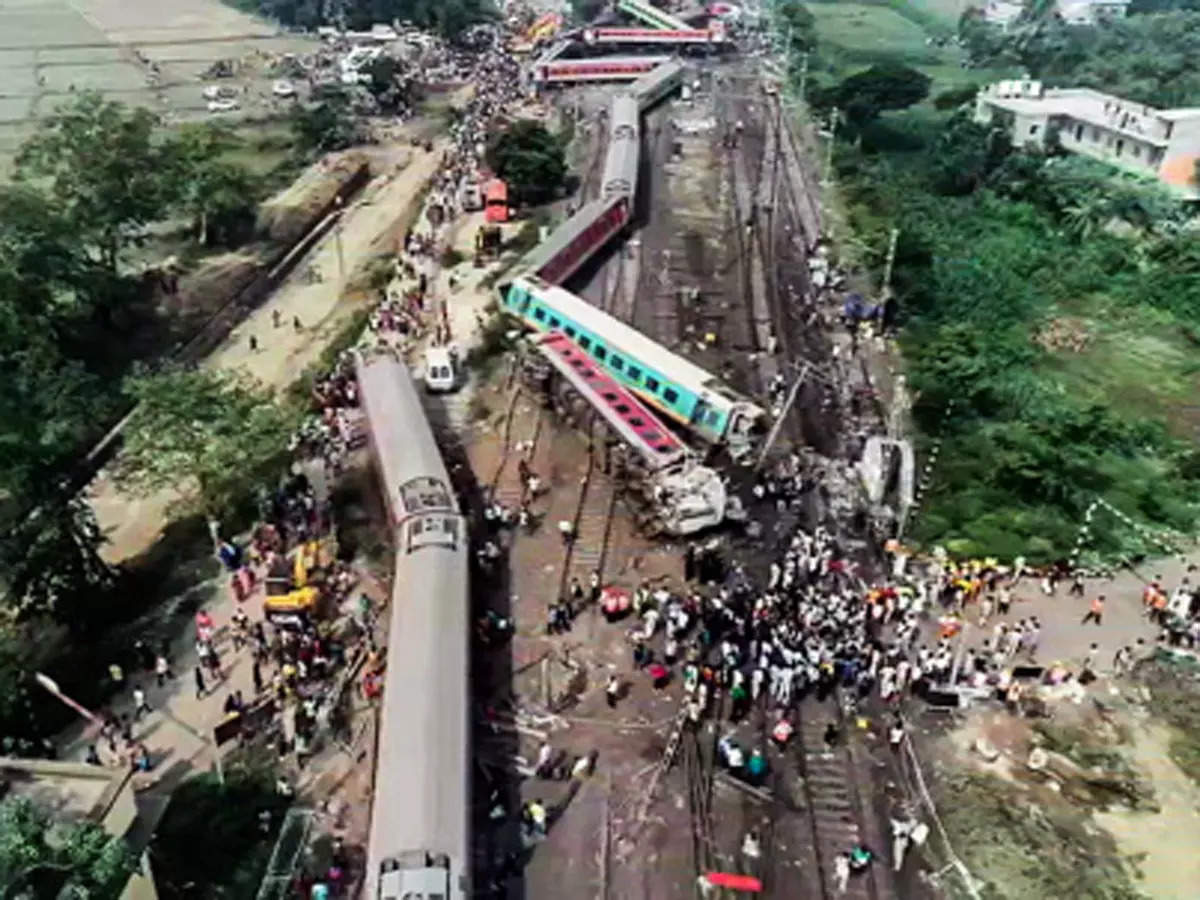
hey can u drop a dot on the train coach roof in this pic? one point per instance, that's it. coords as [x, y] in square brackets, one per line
[608, 61]
[656, 444]
[409, 458]
[628, 341]
[562, 236]
[649, 83]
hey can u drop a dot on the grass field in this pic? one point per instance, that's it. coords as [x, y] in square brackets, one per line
[854, 35]
[1137, 360]
[53, 48]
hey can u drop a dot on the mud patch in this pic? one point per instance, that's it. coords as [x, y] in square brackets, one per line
[1166, 841]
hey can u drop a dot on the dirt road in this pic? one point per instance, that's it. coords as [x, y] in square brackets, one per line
[133, 524]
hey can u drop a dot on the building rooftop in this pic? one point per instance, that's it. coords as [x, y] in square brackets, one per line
[70, 792]
[1086, 105]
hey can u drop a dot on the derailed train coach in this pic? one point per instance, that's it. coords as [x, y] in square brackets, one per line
[656, 84]
[621, 158]
[419, 843]
[670, 384]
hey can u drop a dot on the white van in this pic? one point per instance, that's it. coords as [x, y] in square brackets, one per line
[441, 369]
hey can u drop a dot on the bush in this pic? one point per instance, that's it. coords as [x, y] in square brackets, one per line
[225, 818]
[1020, 850]
[979, 270]
[527, 237]
[530, 159]
[347, 336]
[955, 97]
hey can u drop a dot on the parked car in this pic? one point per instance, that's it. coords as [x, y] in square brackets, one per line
[220, 92]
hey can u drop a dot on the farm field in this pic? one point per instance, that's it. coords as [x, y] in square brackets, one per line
[854, 35]
[140, 52]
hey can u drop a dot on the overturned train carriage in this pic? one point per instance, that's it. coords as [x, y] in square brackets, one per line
[667, 382]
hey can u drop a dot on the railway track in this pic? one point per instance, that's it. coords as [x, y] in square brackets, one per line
[505, 485]
[834, 803]
[698, 774]
[587, 553]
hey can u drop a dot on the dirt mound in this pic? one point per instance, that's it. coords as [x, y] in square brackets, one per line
[215, 282]
[289, 214]
[1064, 333]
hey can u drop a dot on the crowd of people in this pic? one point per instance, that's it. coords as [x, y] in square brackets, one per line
[293, 658]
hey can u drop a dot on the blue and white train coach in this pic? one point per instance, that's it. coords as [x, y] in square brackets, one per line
[668, 382]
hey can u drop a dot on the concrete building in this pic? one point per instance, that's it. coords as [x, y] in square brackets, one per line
[1090, 12]
[73, 792]
[1159, 143]
[1002, 12]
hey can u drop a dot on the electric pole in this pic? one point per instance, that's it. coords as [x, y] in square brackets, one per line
[337, 238]
[891, 261]
[833, 124]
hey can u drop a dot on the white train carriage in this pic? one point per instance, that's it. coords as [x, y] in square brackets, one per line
[605, 68]
[420, 821]
[621, 158]
[656, 84]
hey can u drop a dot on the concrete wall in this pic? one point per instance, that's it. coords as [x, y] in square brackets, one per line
[1178, 167]
[141, 882]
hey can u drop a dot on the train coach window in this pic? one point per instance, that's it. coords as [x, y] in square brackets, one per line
[634, 373]
[616, 363]
[570, 331]
[585, 342]
[670, 396]
[712, 419]
[652, 384]
[539, 314]
[601, 354]
[555, 322]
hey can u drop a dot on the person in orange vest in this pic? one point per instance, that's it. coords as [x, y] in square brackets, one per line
[1095, 611]
[1148, 594]
[1158, 613]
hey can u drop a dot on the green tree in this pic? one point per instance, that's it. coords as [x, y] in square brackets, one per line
[966, 154]
[43, 267]
[40, 858]
[391, 84]
[236, 849]
[329, 125]
[51, 562]
[104, 171]
[449, 17]
[530, 159]
[884, 86]
[797, 26]
[215, 435]
[955, 97]
[218, 194]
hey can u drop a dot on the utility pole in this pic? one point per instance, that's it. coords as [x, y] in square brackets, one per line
[337, 238]
[891, 261]
[959, 652]
[833, 124]
[778, 426]
[803, 72]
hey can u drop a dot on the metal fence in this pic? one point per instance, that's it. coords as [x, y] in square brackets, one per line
[289, 850]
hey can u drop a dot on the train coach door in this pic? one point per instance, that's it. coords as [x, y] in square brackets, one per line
[699, 414]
